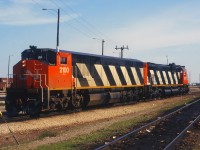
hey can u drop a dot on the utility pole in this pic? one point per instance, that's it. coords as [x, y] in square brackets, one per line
[58, 25]
[167, 59]
[122, 49]
[8, 79]
[103, 41]
[102, 46]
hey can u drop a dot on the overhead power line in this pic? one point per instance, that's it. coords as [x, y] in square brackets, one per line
[82, 23]
[90, 30]
[67, 23]
[87, 24]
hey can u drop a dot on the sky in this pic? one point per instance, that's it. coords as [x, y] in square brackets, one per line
[157, 31]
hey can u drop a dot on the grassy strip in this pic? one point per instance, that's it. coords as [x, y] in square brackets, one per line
[95, 137]
[118, 128]
[46, 134]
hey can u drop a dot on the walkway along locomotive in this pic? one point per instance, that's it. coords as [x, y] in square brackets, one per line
[45, 79]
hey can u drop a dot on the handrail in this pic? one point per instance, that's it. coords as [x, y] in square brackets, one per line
[45, 83]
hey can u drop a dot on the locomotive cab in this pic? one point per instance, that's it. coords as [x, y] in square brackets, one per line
[36, 76]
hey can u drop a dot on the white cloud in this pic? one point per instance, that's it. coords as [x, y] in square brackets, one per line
[23, 12]
[170, 28]
[25, 2]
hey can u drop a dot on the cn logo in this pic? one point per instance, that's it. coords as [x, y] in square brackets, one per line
[29, 73]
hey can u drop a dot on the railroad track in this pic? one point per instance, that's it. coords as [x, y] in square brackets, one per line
[23, 117]
[45, 114]
[163, 133]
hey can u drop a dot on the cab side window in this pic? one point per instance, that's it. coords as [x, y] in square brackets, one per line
[63, 60]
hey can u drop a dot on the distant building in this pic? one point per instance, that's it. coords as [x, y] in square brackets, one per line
[4, 84]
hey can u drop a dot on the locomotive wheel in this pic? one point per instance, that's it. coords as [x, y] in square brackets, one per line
[85, 101]
[33, 108]
[123, 98]
[59, 106]
[52, 105]
[12, 111]
[65, 105]
[76, 103]
[14, 108]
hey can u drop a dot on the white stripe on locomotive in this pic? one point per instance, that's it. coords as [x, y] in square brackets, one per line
[115, 75]
[170, 77]
[159, 77]
[179, 75]
[102, 74]
[148, 82]
[153, 78]
[165, 77]
[126, 76]
[175, 77]
[135, 75]
[142, 72]
[86, 74]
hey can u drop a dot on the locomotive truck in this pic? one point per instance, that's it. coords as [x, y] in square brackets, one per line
[47, 79]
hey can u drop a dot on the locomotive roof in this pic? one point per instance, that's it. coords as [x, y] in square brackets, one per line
[165, 65]
[96, 55]
[81, 53]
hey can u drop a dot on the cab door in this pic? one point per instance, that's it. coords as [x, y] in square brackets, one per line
[60, 75]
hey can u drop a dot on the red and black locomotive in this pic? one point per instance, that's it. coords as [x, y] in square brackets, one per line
[46, 79]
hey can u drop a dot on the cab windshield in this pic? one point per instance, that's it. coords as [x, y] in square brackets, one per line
[44, 55]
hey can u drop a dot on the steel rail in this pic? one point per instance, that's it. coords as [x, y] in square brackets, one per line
[145, 126]
[190, 126]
